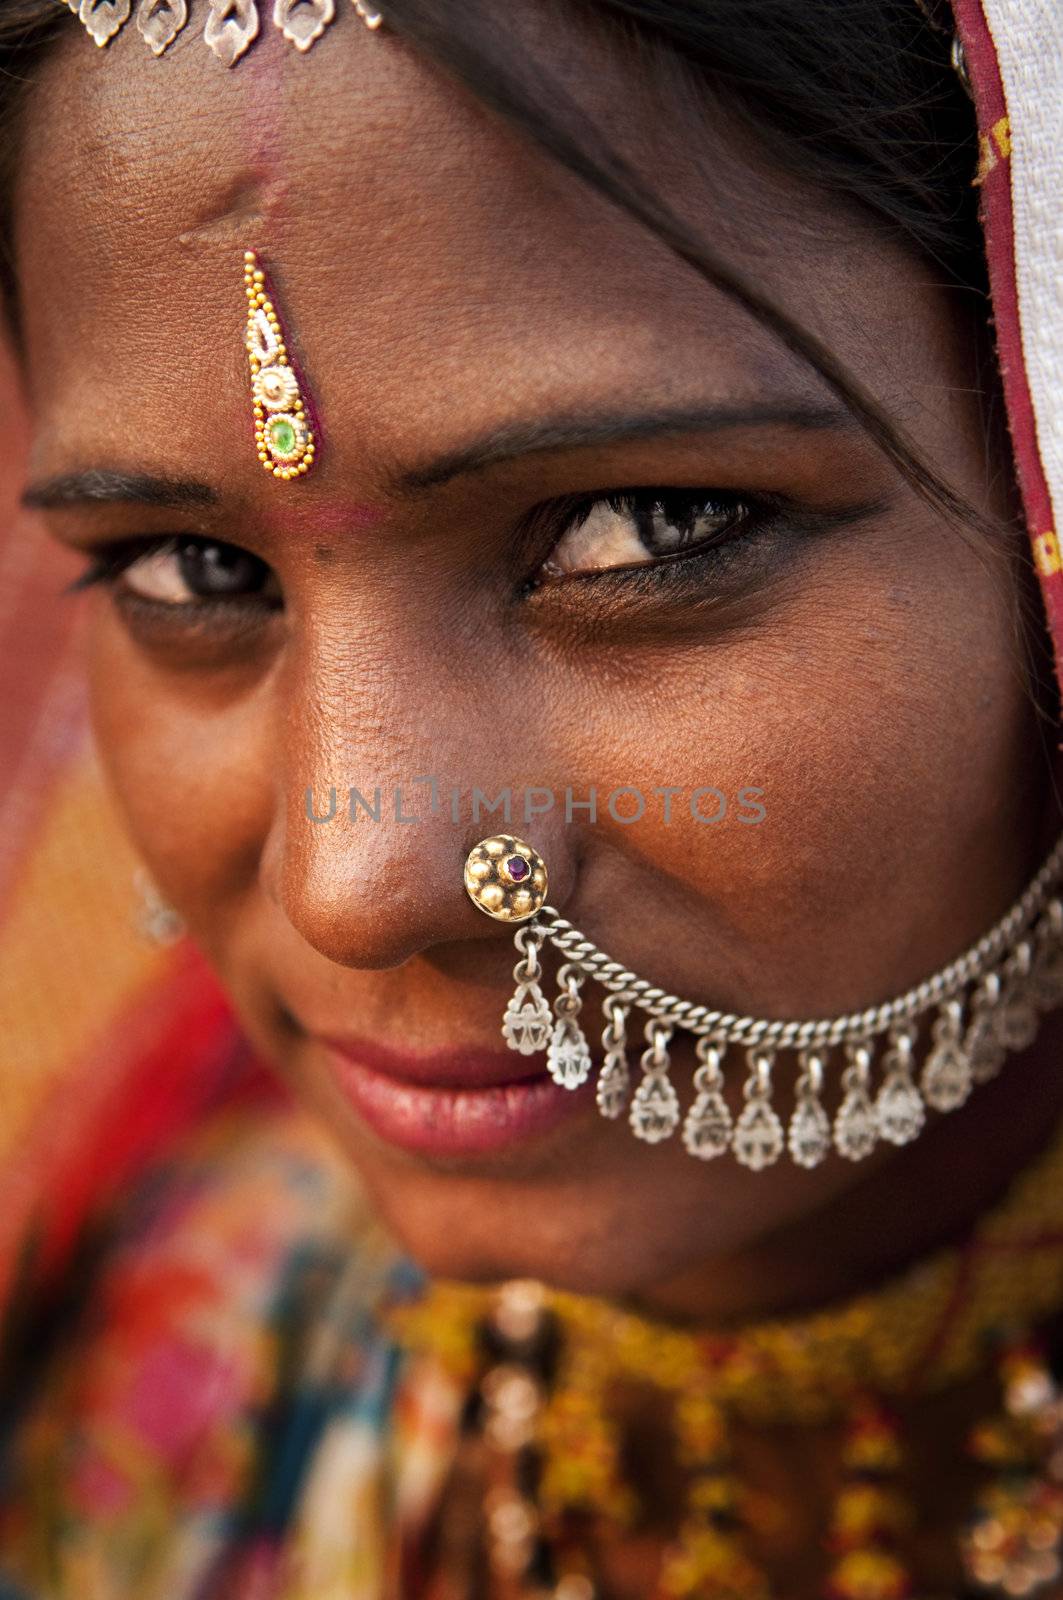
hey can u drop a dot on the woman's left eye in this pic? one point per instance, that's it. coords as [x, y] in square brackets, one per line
[639, 526]
[185, 573]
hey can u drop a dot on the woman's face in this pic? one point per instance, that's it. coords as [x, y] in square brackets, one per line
[451, 594]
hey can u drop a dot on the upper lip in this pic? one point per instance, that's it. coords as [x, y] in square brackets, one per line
[457, 1067]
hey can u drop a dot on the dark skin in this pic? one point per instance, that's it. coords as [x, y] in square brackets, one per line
[857, 658]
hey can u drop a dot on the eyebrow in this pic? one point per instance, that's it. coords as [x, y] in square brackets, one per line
[100, 486]
[106, 486]
[581, 431]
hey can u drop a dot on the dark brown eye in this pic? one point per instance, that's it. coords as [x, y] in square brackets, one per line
[639, 527]
[187, 571]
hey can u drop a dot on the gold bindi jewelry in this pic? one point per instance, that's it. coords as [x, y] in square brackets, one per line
[230, 27]
[979, 1008]
[284, 435]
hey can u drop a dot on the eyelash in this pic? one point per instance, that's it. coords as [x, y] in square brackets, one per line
[680, 573]
[107, 564]
[548, 525]
[110, 562]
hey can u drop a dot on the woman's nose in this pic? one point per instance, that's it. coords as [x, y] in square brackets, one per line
[394, 759]
[371, 879]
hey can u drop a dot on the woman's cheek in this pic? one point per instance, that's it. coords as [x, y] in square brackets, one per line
[883, 785]
[191, 764]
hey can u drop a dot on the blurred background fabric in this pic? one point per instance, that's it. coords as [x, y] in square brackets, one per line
[90, 1009]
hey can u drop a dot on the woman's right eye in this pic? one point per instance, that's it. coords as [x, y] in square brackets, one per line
[185, 573]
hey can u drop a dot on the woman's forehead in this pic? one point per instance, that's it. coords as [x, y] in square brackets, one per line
[426, 253]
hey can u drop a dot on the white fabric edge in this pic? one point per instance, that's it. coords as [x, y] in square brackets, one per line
[1028, 35]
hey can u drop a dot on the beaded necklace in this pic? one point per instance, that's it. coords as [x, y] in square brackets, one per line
[541, 1369]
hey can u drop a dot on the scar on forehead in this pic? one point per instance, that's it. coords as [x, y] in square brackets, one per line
[239, 211]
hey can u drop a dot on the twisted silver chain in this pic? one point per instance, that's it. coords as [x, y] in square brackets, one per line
[944, 985]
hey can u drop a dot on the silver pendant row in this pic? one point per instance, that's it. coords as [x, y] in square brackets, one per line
[230, 26]
[885, 1088]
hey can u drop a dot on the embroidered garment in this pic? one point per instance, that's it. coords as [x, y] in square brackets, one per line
[223, 1415]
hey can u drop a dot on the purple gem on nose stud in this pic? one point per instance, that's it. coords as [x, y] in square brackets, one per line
[517, 868]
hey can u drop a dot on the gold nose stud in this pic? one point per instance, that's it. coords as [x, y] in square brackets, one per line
[506, 878]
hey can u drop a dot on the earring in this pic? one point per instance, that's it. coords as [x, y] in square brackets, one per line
[284, 437]
[156, 920]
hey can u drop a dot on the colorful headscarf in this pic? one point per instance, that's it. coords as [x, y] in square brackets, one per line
[1014, 53]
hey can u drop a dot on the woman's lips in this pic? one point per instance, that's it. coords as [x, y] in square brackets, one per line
[453, 1102]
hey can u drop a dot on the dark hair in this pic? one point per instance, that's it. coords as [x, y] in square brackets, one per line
[857, 96]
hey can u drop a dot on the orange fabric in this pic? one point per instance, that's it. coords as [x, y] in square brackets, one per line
[104, 1038]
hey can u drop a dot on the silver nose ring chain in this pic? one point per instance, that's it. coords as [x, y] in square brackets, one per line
[981, 1007]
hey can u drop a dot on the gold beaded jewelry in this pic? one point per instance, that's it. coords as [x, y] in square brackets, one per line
[546, 1366]
[284, 435]
[506, 878]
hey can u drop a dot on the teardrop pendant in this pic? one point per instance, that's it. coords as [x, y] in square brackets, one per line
[614, 1086]
[1017, 1015]
[709, 1126]
[899, 1108]
[809, 1134]
[1046, 979]
[982, 1039]
[568, 1059]
[758, 1137]
[655, 1112]
[855, 1126]
[614, 1080]
[528, 1021]
[160, 21]
[527, 1024]
[231, 29]
[302, 22]
[947, 1079]
[103, 19]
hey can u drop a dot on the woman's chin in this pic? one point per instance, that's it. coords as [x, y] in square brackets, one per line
[477, 1231]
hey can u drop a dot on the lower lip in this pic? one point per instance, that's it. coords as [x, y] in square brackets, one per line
[445, 1121]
